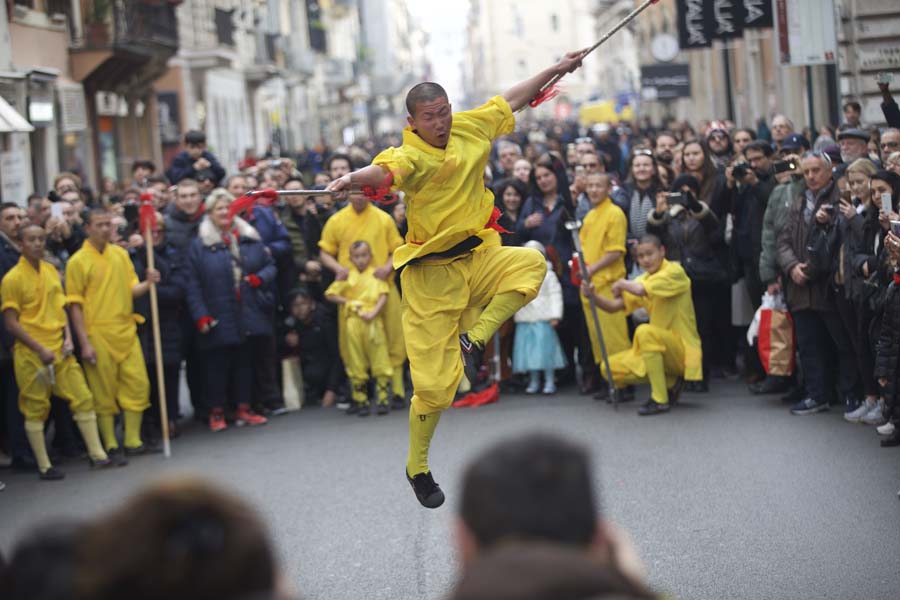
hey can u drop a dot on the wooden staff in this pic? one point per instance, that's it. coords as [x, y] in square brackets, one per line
[147, 222]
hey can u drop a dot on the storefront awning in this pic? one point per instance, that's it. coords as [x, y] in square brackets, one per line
[11, 121]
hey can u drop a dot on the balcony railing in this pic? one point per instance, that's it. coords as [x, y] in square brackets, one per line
[128, 23]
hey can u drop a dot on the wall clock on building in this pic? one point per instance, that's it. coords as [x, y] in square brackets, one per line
[664, 47]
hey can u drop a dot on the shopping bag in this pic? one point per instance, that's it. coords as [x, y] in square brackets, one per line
[292, 383]
[776, 342]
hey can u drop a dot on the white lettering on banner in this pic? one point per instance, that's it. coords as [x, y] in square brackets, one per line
[724, 12]
[754, 10]
[693, 20]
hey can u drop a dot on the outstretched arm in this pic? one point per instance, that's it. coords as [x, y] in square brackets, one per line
[373, 175]
[521, 94]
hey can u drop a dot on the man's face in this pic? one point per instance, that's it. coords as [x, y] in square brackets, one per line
[890, 143]
[758, 160]
[718, 142]
[508, 156]
[339, 167]
[361, 257]
[853, 148]
[851, 116]
[195, 150]
[522, 170]
[781, 128]
[301, 308]
[650, 256]
[597, 188]
[34, 240]
[665, 148]
[99, 229]
[816, 173]
[432, 121]
[187, 199]
[44, 215]
[237, 186]
[359, 202]
[582, 148]
[140, 174]
[10, 220]
[741, 139]
[64, 185]
[591, 164]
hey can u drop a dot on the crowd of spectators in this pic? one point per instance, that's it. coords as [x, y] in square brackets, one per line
[242, 286]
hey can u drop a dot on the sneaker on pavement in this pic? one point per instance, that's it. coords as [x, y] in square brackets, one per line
[52, 474]
[652, 407]
[217, 420]
[343, 404]
[886, 429]
[427, 492]
[382, 409]
[533, 388]
[472, 357]
[808, 407]
[549, 389]
[117, 457]
[855, 416]
[362, 409]
[245, 416]
[875, 416]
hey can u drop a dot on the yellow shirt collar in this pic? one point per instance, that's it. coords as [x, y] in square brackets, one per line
[412, 138]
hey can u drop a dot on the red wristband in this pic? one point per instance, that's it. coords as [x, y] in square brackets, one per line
[254, 281]
[203, 322]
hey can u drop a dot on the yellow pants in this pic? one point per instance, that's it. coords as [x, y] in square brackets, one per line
[392, 317]
[438, 294]
[613, 326]
[118, 385]
[367, 350]
[657, 357]
[35, 389]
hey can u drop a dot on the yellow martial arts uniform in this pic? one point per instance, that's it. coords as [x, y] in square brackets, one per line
[377, 228]
[367, 349]
[102, 284]
[603, 230]
[36, 295]
[668, 346]
[447, 205]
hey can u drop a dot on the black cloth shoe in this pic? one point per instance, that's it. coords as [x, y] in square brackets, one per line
[428, 493]
[675, 390]
[770, 385]
[893, 440]
[147, 448]
[382, 409]
[52, 474]
[364, 410]
[101, 463]
[117, 457]
[398, 402]
[652, 407]
[472, 356]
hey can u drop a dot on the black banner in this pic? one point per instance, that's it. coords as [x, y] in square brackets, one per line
[317, 36]
[728, 19]
[758, 14]
[695, 23]
[667, 81]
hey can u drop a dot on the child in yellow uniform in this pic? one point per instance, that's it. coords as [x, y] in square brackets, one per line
[668, 348]
[363, 297]
[453, 259]
[100, 286]
[33, 306]
[603, 234]
[360, 221]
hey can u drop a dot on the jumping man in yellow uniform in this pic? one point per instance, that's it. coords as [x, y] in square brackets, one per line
[603, 234]
[100, 287]
[360, 221]
[363, 296]
[33, 307]
[668, 348]
[452, 256]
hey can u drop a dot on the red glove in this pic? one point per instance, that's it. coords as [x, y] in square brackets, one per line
[204, 322]
[253, 280]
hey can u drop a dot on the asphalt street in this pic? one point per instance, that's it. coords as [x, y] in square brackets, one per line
[728, 496]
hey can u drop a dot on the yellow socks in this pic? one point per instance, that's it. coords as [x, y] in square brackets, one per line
[132, 427]
[87, 425]
[656, 374]
[34, 430]
[421, 430]
[107, 426]
[397, 386]
[497, 312]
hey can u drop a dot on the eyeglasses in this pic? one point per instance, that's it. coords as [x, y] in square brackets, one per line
[890, 145]
[584, 140]
[642, 152]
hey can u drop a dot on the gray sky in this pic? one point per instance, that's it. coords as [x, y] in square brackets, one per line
[445, 23]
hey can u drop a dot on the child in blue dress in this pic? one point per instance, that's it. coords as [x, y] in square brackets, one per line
[537, 349]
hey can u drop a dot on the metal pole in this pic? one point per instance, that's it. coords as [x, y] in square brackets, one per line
[575, 227]
[809, 101]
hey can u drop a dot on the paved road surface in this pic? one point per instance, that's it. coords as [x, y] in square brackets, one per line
[729, 496]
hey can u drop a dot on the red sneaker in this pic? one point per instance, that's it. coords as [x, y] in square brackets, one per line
[245, 416]
[217, 420]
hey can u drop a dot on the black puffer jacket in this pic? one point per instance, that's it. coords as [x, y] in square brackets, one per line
[691, 238]
[170, 293]
[887, 349]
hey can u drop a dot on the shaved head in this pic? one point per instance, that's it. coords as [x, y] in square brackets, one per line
[423, 92]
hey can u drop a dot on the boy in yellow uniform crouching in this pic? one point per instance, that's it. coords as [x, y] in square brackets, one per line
[667, 349]
[364, 296]
[33, 307]
[100, 287]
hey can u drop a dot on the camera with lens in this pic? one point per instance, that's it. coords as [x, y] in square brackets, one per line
[740, 170]
[783, 166]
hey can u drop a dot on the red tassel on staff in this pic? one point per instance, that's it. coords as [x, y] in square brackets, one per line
[546, 95]
[147, 213]
[377, 194]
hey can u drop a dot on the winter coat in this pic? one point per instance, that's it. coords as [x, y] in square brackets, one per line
[181, 228]
[690, 238]
[624, 196]
[548, 304]
[552, 234]
[9, 257]
[170, 292]
[271, 231]
[182, 167]
[773, 222]
[793, 250]
[304, 232]
[318, 349]
[749, 204]
[211, 292]
[887, 348]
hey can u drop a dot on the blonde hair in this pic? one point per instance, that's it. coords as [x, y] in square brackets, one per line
[862, 165]
[216, 196]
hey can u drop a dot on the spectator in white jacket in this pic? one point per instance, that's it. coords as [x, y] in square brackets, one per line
[537, 349]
